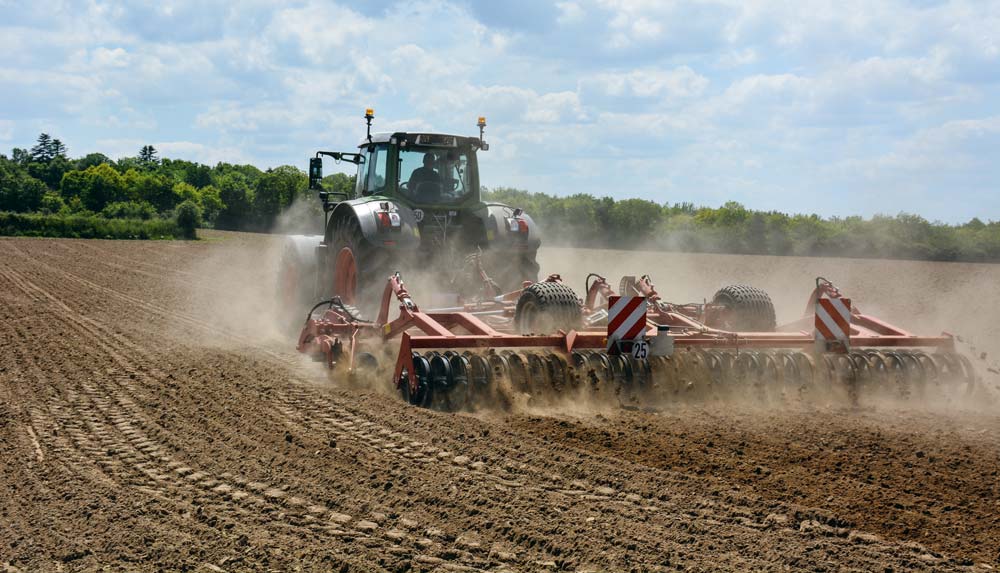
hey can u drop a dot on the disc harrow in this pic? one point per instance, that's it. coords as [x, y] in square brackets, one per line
[533, 347]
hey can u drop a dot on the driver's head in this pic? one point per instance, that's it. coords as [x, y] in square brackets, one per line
[428, 159]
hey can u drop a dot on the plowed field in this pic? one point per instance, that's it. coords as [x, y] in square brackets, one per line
[153, 418]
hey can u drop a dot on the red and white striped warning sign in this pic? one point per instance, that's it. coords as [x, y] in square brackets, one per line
[626, 319]
[833, 320]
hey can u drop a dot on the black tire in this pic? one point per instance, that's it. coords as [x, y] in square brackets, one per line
[546, 307]
[372, 266]
[748, 309]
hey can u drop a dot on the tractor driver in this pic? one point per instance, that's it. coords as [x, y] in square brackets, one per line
[425, 174]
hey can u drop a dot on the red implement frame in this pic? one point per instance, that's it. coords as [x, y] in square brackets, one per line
[489, 325]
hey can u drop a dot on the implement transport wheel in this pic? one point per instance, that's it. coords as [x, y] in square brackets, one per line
[546, 307]
[357, 269]
[747, 309]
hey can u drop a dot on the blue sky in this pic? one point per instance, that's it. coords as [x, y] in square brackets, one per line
[839, 108]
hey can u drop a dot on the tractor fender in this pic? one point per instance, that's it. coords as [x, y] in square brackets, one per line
[497, 230]
[406, 236]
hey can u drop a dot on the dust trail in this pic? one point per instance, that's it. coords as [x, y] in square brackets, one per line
[924, 298]
[242, 300]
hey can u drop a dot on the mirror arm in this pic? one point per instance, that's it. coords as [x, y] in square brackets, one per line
[354, 158]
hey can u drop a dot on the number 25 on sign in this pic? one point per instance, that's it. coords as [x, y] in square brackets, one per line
[640, 349]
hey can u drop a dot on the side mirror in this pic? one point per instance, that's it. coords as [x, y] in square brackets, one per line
[315, 173]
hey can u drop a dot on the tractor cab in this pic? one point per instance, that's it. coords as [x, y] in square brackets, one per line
[421, 170]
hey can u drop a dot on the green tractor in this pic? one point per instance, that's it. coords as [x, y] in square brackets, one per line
[416, 208]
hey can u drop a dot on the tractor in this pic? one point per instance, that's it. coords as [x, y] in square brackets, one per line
[487, 332]
[417, 208]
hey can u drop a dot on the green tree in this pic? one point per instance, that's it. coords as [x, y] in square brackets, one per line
[53, 204]
[236, 195]
[249, 173]
[633, 220]
[58, 149]
[50, 172]
[95, 187]
[186, 192]
[188, 219]
[43, 151]
[18, 190]
[188, 172]
[211, 203]
[90, 160]
[151, 187]
[339, 183]
[129, 210]
[148, 158]
[125, 164]
[274, 192]
[20, 156]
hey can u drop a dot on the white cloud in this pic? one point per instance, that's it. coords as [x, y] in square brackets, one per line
[320, 31]
[569, 12]
[110, 58]
[737, 58]
[949, 147]
[723, 99]
[681, 82]
[237, 117]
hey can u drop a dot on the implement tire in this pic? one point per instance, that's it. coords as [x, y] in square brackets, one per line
[748, 309]
[546, 307]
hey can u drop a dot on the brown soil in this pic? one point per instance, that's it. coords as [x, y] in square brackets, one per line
[152, 418]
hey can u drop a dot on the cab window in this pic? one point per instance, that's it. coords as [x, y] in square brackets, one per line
[431, 175]
[375, 184]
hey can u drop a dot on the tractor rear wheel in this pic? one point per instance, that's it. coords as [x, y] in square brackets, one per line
[748, 309]
[546, 307]
[358, 270]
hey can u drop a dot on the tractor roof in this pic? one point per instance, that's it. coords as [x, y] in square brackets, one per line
[385, 136]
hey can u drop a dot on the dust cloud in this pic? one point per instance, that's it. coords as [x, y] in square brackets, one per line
[924, 298]
[242, 269]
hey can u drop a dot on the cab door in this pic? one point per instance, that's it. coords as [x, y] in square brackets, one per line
[373, 174]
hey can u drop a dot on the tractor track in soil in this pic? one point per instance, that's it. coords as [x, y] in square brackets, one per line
[236, 455]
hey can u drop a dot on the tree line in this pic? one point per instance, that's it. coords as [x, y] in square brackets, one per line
[584, 220]
[44, 180]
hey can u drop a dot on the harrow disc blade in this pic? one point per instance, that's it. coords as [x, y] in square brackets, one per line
[767, 378]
